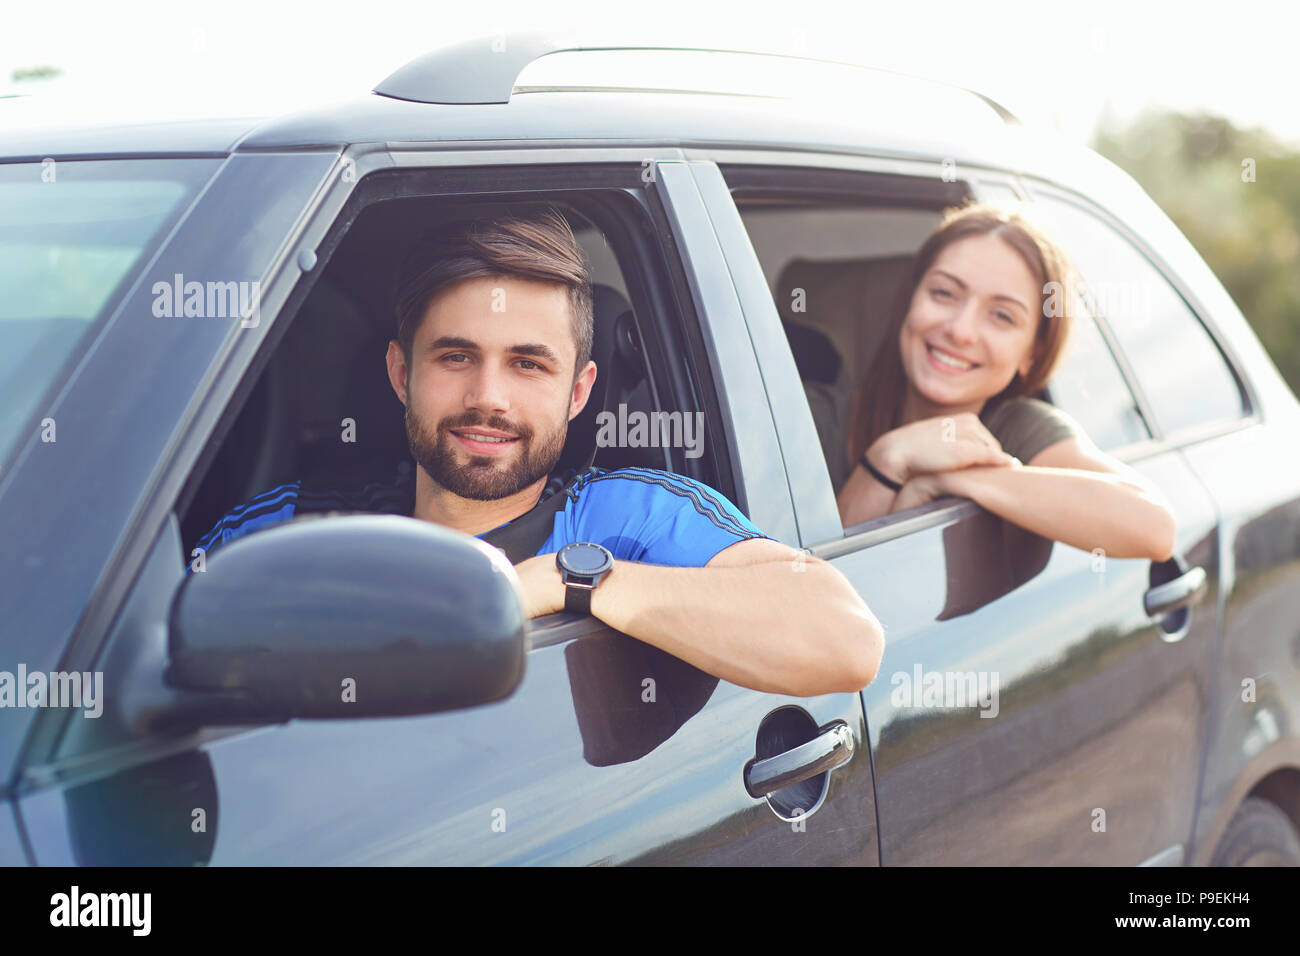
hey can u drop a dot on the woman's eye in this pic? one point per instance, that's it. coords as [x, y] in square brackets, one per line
[1006, 317]
[943, 293]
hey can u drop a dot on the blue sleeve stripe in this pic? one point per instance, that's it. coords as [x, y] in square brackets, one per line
[690, 491]
[270, 501]
[265, 498]
[721, 505]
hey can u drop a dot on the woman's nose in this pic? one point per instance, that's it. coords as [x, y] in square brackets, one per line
[961, 327]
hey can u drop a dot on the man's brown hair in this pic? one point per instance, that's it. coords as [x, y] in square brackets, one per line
[539, 247]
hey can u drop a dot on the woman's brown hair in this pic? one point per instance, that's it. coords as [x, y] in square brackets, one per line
[879, 405]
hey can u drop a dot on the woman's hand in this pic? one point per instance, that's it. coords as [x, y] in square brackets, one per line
[918, 491]
[935, 445]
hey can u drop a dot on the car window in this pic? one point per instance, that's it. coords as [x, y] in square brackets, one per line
[72, 235]
[834, 269]
[1179, 368]
[323, 410]
[1089, 386]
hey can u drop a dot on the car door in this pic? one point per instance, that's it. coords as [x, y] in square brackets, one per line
[1237, 428]
[608, 752]
[1028, 710]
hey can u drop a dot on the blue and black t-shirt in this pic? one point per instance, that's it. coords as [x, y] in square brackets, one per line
[639, 514]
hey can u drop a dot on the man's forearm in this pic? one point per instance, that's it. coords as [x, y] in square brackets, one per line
[749, 625]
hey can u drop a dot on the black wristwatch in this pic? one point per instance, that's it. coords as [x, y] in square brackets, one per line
[582, 565]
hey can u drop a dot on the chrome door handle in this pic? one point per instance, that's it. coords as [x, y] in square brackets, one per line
[829, 749]
[1183, 591]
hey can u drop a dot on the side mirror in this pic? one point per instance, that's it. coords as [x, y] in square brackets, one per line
[354, 616]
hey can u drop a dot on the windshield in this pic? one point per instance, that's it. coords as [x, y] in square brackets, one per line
[73, 236]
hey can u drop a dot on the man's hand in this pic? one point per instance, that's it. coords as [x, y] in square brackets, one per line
[543, 588]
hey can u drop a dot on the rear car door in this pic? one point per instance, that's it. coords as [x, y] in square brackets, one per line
[1218, 401]
[608, 752]
[1027, 710]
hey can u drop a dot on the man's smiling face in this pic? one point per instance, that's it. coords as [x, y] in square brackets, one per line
[490, 389]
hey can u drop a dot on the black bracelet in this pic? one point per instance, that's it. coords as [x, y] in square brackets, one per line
[875, 473]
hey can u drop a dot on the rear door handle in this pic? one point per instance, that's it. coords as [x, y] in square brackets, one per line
[827, 750]
[1183, 591]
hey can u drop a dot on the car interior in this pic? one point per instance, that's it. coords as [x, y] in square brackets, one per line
[330, 366]
[835, 270]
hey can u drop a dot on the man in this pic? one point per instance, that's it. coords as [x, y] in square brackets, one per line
[492, 361]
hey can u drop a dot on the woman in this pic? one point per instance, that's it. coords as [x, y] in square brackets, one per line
[947, 411]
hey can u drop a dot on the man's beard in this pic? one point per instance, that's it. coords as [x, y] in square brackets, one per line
[484, 478]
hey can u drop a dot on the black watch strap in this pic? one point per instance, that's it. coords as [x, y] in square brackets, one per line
[577, 599]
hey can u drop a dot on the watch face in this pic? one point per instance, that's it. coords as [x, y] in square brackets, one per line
[584, 558]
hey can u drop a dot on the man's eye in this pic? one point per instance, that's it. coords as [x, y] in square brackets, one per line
[455, 355]
[530, 363]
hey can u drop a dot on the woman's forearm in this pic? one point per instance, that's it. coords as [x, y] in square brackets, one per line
[863, 498]
[1086, 509]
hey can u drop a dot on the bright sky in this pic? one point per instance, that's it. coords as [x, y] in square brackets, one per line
[1058, 67]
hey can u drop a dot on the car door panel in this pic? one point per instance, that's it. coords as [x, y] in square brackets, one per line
[610, 751]
[1092, 750]
[1251, 473]
[549, 776]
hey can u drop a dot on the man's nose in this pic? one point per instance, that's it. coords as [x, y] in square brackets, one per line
[488, 388]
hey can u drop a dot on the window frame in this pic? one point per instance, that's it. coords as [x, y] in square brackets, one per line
[653, 277]
[646, 254]
[866, 182]
[881, 172]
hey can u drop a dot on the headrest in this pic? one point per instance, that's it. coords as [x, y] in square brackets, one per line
[846, 300]
[613, 343]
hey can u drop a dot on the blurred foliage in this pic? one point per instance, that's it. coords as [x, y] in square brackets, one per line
[1248, 232]
[35, 73]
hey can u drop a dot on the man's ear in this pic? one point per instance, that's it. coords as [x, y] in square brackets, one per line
[397, 370]
[582, 390]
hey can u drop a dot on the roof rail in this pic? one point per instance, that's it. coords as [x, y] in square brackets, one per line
[475, 71]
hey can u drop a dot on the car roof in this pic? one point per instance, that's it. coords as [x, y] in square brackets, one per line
[519, 102]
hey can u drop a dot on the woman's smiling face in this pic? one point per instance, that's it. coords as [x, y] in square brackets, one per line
[970, 327]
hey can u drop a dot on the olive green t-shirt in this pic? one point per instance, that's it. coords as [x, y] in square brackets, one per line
[1023, 426]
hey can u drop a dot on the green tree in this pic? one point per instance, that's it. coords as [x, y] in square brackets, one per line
[1248, 232]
